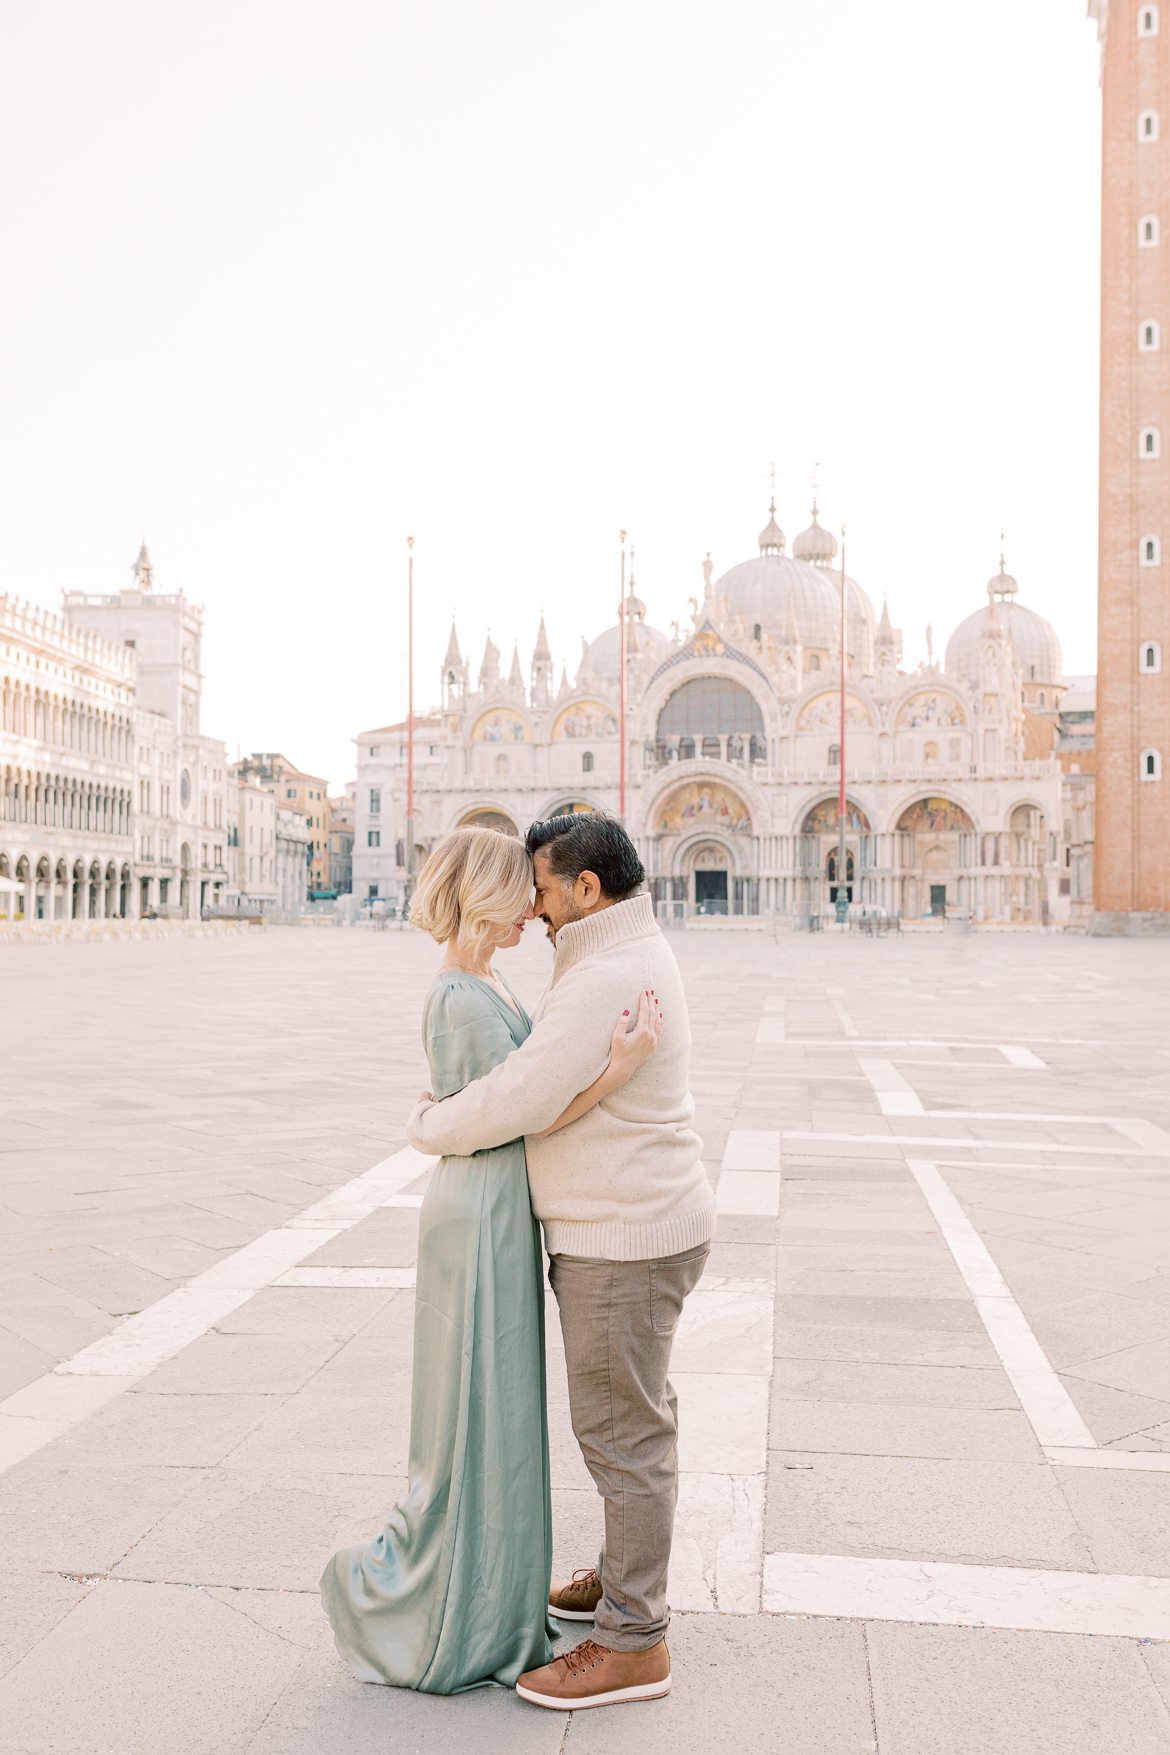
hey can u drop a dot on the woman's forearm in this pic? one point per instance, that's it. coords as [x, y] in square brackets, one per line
[585, 1100]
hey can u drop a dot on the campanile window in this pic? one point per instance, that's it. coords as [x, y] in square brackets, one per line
[1150, 552]
[1148, 21]
[1150, 658]
[1150, 765]
[1148, 127]
[1149, 232]
[1149, 336]
[1149, 443]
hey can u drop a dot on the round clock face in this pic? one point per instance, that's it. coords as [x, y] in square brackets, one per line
[185, 789]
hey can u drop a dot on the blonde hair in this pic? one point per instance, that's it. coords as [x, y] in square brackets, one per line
[475, 880]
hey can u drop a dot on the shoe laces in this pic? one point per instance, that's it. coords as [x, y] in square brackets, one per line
[583, 1580]
[583, 1657]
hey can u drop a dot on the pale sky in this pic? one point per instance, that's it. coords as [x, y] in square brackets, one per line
[285, 282]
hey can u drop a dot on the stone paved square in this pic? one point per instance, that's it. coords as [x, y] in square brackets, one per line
[924, 1385]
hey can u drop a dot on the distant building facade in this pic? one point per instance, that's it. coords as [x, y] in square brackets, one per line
[67, 769]
[252, 849]
[341, 833]
[180, 775]
[1133, 731]
[100, 737]
[955, 787]
[305, 793]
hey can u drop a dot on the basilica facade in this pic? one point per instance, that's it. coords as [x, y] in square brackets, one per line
[955, 779]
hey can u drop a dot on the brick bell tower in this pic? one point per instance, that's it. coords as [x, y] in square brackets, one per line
[1133, 680]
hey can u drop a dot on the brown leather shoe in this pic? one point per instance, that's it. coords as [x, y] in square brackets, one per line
[592, 1675]
[577, 1600]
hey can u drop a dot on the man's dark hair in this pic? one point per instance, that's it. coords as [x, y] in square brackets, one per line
[588, 841]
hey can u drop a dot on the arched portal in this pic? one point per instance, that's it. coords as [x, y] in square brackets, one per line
[489, 819]
[818, 849]
[702, 851]
[935, 840]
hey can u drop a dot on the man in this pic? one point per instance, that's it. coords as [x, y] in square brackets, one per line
[628, 1217]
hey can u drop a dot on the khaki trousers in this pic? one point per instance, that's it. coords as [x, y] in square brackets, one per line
[618, 1320]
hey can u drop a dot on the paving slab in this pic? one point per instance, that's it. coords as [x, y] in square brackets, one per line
[978, 1691]
[269, 1531]
[84, 1518]
[893, 1385]
[256, 1364]
[860, 1429]
[31, 1604]
[922, 1508]
[179, 1431]
[137, 1667]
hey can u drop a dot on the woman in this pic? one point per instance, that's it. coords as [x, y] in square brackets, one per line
[454, 1592]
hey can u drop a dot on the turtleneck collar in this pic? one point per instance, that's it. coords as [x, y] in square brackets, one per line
[610, 926]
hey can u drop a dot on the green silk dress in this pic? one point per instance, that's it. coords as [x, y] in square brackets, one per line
[454, 1592]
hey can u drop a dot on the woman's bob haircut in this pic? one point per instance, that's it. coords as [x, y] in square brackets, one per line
[475, 882]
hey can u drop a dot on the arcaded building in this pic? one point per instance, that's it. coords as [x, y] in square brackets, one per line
[954, 782]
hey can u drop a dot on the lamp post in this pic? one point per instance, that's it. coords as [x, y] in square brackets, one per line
[842, 903]
[409, 884]
[623, 634]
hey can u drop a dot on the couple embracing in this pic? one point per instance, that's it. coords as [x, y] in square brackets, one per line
[579, 1118]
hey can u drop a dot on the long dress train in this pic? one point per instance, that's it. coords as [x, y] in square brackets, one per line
[454, 1592]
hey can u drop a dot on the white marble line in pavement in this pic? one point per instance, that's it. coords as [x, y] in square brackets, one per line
[717, 1559]
[949, 1594]
[911, 1139]
[895, 1095]
[1022, 1057]
[1014, 1054]
[1141, 1461]
[33, 1416]
[1050, 1409]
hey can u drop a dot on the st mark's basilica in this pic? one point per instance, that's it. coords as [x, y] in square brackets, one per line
[960, 786]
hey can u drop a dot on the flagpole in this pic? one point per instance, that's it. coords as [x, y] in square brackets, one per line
[842, 867]
[409, 723]
[624, 646]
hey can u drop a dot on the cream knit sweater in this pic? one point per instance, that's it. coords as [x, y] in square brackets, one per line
[625, 1182]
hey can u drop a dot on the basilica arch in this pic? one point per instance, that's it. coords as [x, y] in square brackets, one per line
[488, 816]
[738, 692]
[935, 855]
[701, 834]
[567, 805]
[818, 846]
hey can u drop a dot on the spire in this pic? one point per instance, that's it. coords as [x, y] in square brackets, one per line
[1001, 584]
[564, 689]
[542, 669]
[771, 536]
[885, 633]
[454, 656]
[142, 569]
[516, 675]
[489, 670]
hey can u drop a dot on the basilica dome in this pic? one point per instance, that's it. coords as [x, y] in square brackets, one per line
[815, 544]
[773, 589]
[602, 658]
[1033, 639]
